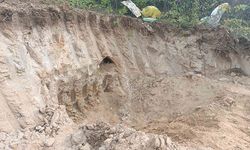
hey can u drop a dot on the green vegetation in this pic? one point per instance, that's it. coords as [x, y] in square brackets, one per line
[238, 20]
[182, 13]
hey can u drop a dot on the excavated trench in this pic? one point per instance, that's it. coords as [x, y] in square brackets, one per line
[83, 95]
[60, 65]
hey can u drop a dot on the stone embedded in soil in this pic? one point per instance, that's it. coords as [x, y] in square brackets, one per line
[86, 147]
[49, 142]
[78, 137]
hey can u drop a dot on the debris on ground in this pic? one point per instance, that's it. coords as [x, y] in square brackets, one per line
[216, 15]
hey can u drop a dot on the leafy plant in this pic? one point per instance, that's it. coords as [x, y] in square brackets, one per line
[238, 20]
[182, 13]
[238, 27]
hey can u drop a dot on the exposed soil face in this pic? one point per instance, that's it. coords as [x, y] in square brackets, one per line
[199, 110]
[72, 79]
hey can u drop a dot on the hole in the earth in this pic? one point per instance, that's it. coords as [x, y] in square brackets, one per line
[237, 71]
[107, 60]
[107, 64]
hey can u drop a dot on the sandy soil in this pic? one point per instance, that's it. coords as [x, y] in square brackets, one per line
[73, 79]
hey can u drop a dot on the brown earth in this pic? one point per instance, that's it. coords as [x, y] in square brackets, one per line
[73, 79]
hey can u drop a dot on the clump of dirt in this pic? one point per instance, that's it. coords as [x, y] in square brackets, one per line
[102, 136]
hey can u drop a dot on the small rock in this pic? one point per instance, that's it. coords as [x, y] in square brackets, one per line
[46, 120]
[27, 134]
[2, 136]
[20, 135]
[233, 74]
[149, 28]
[223, 79]
[228, 101]
[187, 33]
[153, 93]
[87, 147]
[198, 108]
[39, 128]
[163, 142]
[49, 142]
[78, 137]
[168, 141]
[200, 56]
[13, 146]
[48, 130]
[50, 110]
[248, 128]
[235, 81]
[90, 127]
[157, 143]
[55, 118]
[42, 110]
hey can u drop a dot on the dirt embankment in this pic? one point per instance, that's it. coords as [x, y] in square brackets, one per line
[62, 69]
